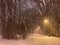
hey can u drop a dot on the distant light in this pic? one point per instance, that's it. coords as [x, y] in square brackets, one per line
[38, 28]
[46, 21]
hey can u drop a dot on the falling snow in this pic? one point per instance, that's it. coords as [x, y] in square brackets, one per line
[21, 18]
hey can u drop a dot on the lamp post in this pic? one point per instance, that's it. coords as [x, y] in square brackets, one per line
[46, 26]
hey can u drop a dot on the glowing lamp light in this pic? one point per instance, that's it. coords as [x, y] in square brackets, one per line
[46, 21]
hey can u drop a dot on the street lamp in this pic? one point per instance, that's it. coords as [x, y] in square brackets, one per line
[46, 21]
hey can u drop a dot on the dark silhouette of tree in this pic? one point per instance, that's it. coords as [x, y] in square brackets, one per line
[16, 21]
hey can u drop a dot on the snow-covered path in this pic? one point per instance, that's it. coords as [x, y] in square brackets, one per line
[37, 39]
[33, 40]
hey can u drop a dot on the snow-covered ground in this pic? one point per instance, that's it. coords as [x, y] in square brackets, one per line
[34, 39]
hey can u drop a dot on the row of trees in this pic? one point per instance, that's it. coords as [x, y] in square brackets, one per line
[20, 17]
[50, 10]
[17, 20]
